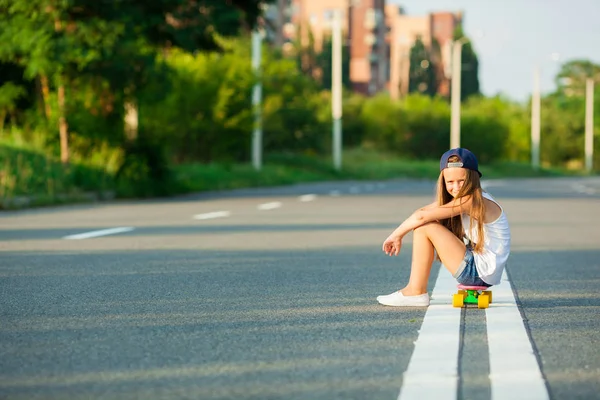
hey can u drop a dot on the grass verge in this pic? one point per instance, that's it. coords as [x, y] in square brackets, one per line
[34, 179]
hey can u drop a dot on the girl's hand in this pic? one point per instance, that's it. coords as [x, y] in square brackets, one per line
[392, 245]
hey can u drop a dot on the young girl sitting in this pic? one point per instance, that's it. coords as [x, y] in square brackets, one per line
[462, 211]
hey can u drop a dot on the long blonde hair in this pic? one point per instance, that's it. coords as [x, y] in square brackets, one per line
[472, 187]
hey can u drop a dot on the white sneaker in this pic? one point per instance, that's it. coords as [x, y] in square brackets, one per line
[397, 299]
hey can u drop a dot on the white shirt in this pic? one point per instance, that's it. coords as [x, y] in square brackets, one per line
[490, 263]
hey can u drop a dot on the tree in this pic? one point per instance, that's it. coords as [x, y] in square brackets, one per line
[571, 79]
[422, 75]
[564, 125]
[58, 42]
[34, 37]
[323, 61]
[9, 94]
[161, 24]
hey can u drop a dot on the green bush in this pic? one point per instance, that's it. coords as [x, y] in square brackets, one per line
[428, 126]
[145, 170]
[385, 124]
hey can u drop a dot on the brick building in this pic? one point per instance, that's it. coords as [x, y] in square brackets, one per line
[380, 38]
[369, 50]
[436, 30]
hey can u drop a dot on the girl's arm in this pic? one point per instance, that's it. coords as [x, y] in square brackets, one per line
[431, 213]
[428, 206]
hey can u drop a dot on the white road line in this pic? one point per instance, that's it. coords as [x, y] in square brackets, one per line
[215, 214]
[307, 197]
[269, 206]
[103, 232]
[583, 189]
[432, 371]
[492, 183]
[514, 370]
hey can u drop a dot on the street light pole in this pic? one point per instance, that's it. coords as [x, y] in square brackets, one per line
[589, 124]
[336, 89]
[455, 95]
[535, 120]
[536, 113]
[256, 101]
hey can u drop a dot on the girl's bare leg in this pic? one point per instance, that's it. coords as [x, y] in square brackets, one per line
[426, 239]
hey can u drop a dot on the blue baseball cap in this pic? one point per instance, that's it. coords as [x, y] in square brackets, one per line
[466, 160]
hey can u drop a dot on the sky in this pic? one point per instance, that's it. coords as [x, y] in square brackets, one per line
[511, 37]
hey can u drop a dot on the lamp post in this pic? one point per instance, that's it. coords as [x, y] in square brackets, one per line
[536, 115]
[535, 120]
[589, 124]
[336, 89]
[256, 101]
[455, 89]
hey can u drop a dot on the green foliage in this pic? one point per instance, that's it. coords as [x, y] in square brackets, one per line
[428, 126]
[422, 76]
[563, 116]
[292, 112]
[353, 125]
[207, 113]
[562, 132]
[418, 126]
[9, 94]
[324, 62]
[571, 78]
[485, 129]
[469, 68]
[26, 172]
[385, 124]
[145, 171]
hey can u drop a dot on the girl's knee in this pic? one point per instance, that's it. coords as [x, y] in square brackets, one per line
[423, 228]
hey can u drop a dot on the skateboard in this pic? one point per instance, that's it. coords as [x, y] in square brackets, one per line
[479, 295]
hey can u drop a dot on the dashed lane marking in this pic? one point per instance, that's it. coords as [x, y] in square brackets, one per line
[307, 197]
[102, 232]
[269, 206]
[211, 215]
[581, 188]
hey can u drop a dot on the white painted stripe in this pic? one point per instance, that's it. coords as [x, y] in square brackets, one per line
[334, 193]
[514, 370]
[432, 371]
[492, 183]
[307, 197]
[215, 214]
[103, 232]
[583, 189]
[269, 206]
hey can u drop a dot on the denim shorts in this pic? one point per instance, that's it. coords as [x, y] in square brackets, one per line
[467, 272]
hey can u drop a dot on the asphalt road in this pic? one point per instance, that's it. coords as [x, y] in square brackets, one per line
[270, 294]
